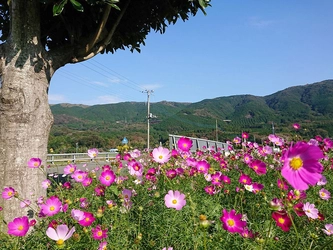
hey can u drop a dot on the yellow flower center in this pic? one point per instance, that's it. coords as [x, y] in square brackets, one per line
[174, 201]
[323, 194]
[255, 167]
[20, 227]
[60, 242]
[185, 145]
[281, 220]
[107, 178]
[36, 164]
[161, 157]
[296, 163]
[79, 177]
[99, 233]
[10, 193]
[230, 222]
[52, 208]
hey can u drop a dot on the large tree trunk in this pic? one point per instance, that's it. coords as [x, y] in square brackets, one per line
[25, 122]
[25, 115]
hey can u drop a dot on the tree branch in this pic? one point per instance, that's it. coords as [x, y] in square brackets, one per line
[98, 33]
[106, 41]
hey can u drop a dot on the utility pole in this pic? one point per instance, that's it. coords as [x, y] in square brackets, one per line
[148, 114]
[217, 137]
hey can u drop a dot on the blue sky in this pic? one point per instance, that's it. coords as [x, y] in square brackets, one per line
[255, 47]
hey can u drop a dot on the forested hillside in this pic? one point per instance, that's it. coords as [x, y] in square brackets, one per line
[222, 118]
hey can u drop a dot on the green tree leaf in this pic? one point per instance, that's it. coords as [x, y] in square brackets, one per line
[77, 5]
[59, 7]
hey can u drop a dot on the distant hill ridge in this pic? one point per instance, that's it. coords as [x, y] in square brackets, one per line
[310, 105]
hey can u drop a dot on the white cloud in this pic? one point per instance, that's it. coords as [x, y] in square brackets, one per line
[259, 22]
[56, 98]
[104, 99]
[100, 84]
[116, 80]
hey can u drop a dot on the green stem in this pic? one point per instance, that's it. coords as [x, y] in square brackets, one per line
[294, 226]
[267, 235]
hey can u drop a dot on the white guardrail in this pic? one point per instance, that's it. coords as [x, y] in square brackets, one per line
[79, 157]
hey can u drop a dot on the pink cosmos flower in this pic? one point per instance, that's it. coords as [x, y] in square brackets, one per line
[69, 169]
[79, 175]
[237, 140]
[25, 203]
[258, 166]
[87, 181]
[52, 206]
[46, 184]
[282, 220]
[8, 192]
[107, 177]
[93, 152]
[161, 155]
[203, 166]
[245, 135]
[301, 166]
[232, 222]
[210, 190]
[324, 194]
[98, 233]
[127, 194]
[328, 229]
[185, 144]
[282, 184]
[216, 178]
[135, 168]
[296, 126]
[77, 214]
[135, 153]
[19, 226]
[245, 179]
[175, 199]
[247, 158]
[171, 173]
[257, 187]
[322, 181]
[87, 220]
[61, 234]
[310, 210]
[276, 204]
[102, 245]
[100, 190]
[34, 163]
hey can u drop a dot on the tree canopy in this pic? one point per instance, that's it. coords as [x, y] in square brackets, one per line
[84, 28]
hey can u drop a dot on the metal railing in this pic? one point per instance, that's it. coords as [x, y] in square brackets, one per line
[79, 157]
[197, 143]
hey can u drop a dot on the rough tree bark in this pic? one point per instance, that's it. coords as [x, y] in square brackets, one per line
[25, 115]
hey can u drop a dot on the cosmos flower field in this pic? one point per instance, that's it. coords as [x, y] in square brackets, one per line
[271, 196]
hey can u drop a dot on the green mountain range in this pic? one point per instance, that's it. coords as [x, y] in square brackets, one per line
[77, 127]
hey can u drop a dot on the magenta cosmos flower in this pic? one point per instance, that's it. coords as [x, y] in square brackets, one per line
[301, 166]
[203, 166]
[282, 220]
[8, 192]
[93, 152]
[34, 163]
[98, 233]
[19, 226]
[87, 220]
[185, 144]
[107, 177]
[69, 169]
[161, 155]
[296, 126]
[258, 166]
[175, 199]
[232, 222]
[60, 234]
[52, 206]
